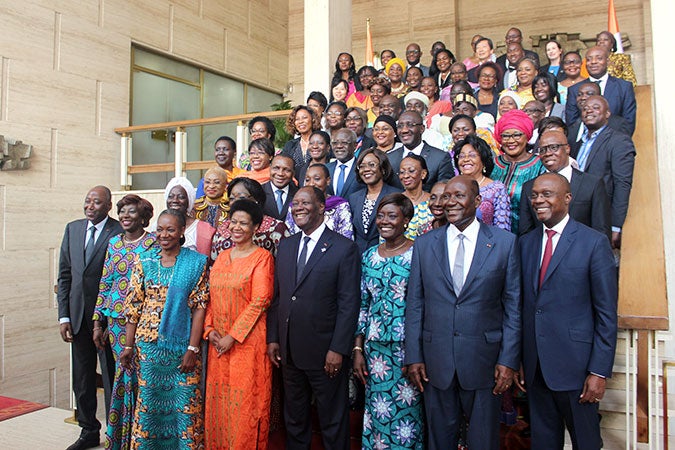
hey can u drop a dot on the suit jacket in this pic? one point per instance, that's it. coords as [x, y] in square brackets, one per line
[350, 186]
[363, 239]
[612, 158]
[617, 123]
[439, 165]
[466, 335]
[320, 312]
[561, 73]
[590, 204]
[270, 207]
[618, 93]
[570, 324]
[78, 283]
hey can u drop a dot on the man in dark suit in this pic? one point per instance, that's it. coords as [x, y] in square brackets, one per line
[515, 36]
[619, 93]
[609, 155]
[409, 130]
[462, 322]
[507, 63]
[83, 251]
[413, 54]
[342, 170]
[569, 320]
[279, 191]
[311, 323]
[589, 205]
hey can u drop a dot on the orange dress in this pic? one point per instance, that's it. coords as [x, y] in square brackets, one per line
[239, 382]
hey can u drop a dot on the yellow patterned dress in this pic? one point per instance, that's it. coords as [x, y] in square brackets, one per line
[169, 405]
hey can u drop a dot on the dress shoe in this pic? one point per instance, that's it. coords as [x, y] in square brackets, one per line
[83, 443]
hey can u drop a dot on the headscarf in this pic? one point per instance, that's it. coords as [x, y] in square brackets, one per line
[386, 119]
[513, 95]
[393, 61]
[514, 120]
[417, 96]
[466, 98]
[185, 184]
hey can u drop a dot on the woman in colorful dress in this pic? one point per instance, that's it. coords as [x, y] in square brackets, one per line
[271, 230]
[165, 311]
[413, 173]
[239, 375]
[212, 207]
[337, 215]
[515, 166]
[360, 97]
[393, 410]
[474, 158]
[134, 213]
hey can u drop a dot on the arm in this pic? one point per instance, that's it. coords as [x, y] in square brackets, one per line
[133, 305]
[571, 108]
[414, 312]
[343, 221]
[197, 302]
[509, 354]
[273, 322]
[622, 165]
[502, 209]
[527, 221]
[629, 106]
[64, 283]
[104, 287]
[601, 213]
[348, 301]
[360, 369]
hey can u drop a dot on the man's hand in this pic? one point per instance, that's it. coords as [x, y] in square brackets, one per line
[273, 353]
[66, 332]
[594, 389]
[417, 373]
[504, 376]
[333, 363]
[616, 239]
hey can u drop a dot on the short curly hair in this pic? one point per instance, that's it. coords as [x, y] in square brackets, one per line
[145, 209]
[290, 121]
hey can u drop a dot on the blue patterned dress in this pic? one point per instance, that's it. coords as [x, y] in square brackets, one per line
[169, 407]
[109, 308]
[393, 410]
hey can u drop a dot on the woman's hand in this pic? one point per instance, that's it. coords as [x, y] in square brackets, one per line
[100, 336]
[189, 362]
[127, 357]
[224, 344]
[360, 370]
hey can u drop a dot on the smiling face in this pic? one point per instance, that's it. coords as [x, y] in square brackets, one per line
[488, 78]
[391, 106]
[429, 88]
[586, 91]
[384, 135]
[460, 200]
[214, 186]
[483, 50]
[318, 147]
[526, 72]
[258, 131]
[465, 108]
[553, 52]
[514, 143]
[461, 129]
[178, 200]
[241, 228]
[506, 104]
[554, 152]
[365, 78]
[97, 204]
[535, 110]
[354, 122]
[344, 146]
[335, 117]
[542, 91]
[390, 222]
[281, 171]
[550, 199]
[260, 160]
[224, 154]
[572, 65]
[370, 170]
[413, 78]
[469, 161]
[596, 61]
[130, 219]
[395, 73]
[410, 129]
[307, 211]
[435, 202]
[411, 174]
[457, 72]
[376, 94]
[413, 54]
[443, 62]
[595, 113]
[169, 231]
[385, 57]
[344, 62]
[339, 92]
[605, 40]
[303, 122]
[417, 106]
[316, 176]
[514, 53]
[239, 192]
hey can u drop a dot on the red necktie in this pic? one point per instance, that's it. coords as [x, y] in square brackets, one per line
[548, 252]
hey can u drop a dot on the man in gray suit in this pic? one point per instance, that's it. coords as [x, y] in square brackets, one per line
[462, 321]
[83, 251]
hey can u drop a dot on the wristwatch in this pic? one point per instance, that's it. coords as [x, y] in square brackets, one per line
[194, 349]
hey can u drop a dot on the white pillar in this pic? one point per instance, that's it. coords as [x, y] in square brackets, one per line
[125, 157]
[180, 151]
[328, 31]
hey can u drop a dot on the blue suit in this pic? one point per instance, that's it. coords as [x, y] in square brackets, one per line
[569, 329]
[461, 338]
[618, 93]
[350, 186]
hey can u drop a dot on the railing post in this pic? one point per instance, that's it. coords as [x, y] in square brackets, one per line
[125, 158]
[241, 140]
[180, 151]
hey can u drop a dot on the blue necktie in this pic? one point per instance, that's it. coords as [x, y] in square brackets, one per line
[280, 200]
[341, 180]
[584, 151]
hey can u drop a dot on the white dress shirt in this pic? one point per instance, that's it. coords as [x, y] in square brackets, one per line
[99, 229]
[602, 80]
[314, 239]
[336, 175]
[470, 238]
[417, 150]
[558, 228]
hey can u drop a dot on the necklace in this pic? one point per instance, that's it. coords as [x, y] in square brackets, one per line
[415, 199]
[127, 241]
[480, 183]
[390, 250]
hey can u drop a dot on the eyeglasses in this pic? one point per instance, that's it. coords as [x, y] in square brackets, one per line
[334, 113]
[553, 148]
[572, 61]
[402, 125]
[353, 119]
[533, 110]
[514, 136]
[487, 76]
[368, 165]
[470, 155]
[457, 73]
[258, 131]
[412, 52]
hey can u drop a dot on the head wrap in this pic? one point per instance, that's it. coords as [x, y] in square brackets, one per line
[386, 119]
[466, 98]
[514, 120]
[185, 184]
[417, 96]
[513, 94]
[393, 61]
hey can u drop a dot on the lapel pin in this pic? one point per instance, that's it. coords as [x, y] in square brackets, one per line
[323, 250]
[489, 245]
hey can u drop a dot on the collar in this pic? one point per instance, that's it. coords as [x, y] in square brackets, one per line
[417, 150]
[99, 226]
[283, 189]
[602, 79]
[560, 226]
[587, 135]
[566, 172]
[471, 231]
[316, 234]
[349, 164]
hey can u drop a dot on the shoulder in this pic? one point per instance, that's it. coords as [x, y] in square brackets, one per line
[623, 84]
[585, 233]
[193, 256]
[434, 151]
[267, 186]
[357, 196]
[291, 144]
[389, 189]
[497, 234]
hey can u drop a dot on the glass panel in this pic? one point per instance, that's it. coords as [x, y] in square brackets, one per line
[222, 96]
[165, 65]
[261, 100]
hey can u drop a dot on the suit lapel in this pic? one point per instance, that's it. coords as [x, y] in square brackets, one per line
[597, 146]
[102, 240]
[320, 249]
[440, 249]
[534, 257]
[294, 253]
[484, 246]
[358, 210]
[81, 236]
[575, 184]
[561, 249]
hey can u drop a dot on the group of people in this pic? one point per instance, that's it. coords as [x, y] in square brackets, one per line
[442, 277]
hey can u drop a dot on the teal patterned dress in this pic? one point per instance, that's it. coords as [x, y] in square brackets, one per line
[112, 291]
[169, 407]
[514, 175]
[393, 410]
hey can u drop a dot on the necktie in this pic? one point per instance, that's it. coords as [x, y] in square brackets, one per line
[458, 269]
[548, 253]
[584, 151]
[302, 260]
[89, 248]
[280, 200]
[341, 180]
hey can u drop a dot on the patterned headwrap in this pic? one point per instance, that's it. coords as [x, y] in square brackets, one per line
[185, 184]
[514, 120]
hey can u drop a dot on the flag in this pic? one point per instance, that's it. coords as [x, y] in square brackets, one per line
[613, 26]
[369, 44]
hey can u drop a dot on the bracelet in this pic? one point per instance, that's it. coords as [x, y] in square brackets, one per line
[126, 347]
[357, 348]
[97, 328]
[194, 349]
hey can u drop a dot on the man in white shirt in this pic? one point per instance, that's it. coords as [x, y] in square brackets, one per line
[342, 173]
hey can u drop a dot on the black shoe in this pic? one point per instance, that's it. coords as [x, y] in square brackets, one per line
[83, 443]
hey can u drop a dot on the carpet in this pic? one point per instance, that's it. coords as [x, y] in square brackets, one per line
[12, 407]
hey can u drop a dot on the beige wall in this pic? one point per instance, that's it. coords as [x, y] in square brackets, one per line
[65, 87]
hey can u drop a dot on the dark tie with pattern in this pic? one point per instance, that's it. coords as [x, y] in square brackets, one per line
[89, 248]
[302, 260]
